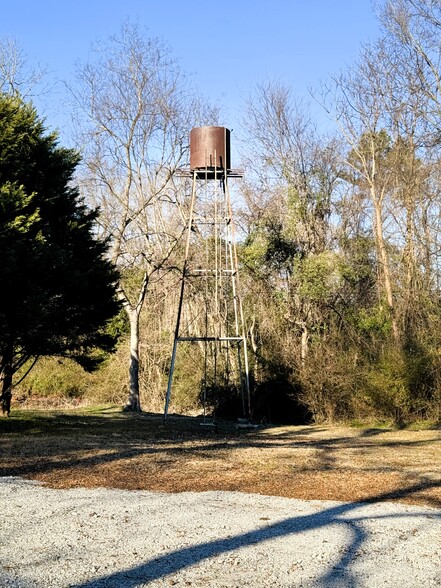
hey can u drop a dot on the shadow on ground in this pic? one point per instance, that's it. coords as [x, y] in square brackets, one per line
[339, 575]
[116, 449]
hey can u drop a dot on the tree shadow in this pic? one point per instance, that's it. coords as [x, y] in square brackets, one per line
[339, 575]
[117, 439]
[59, 442]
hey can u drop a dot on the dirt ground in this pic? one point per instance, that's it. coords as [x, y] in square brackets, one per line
[112, 449]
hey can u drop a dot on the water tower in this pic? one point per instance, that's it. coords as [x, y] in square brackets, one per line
[209, 313]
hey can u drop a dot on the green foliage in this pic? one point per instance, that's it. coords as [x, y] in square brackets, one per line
[57, 290]
[118, 325]
[14, 207]
[400, 385]
[268, 249]
[253, 251]
[374, 321]
[53, 380]
[359, 256]
[319, 276]
[386, 386]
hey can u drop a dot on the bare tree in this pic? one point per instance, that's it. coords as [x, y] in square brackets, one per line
[359, 109]
[17, 75]
[414, 27]
[136, 109]
[290, 200]
[392, 92]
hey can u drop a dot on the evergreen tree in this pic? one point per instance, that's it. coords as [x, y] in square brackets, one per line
[56, 287]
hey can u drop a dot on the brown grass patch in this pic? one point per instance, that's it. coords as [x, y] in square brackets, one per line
[116, 450]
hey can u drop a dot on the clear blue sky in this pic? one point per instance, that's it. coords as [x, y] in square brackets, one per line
[227, 46]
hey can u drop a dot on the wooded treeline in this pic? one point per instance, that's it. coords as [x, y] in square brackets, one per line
[339, 232]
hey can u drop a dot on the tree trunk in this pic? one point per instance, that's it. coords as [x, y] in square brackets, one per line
[426, 246]
[304, 344]
[134, 312]
[384, 263]
[134, 401]
[255, 349]
[6, 394]
[409, 301]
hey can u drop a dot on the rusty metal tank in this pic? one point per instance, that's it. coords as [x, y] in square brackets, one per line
[210, 148]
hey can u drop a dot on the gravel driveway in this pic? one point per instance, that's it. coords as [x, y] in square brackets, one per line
[111, 538]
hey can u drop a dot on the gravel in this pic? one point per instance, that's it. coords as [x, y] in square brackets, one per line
[98, 538]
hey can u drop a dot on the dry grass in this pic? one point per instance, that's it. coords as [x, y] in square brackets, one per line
[112, 449]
